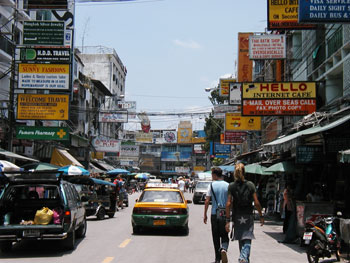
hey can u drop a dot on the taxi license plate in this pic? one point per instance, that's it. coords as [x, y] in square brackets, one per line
[159, 222]
[307, 236]
[31, 233]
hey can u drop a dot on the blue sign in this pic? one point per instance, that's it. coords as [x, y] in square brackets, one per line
[173, 157]
[222, 148]
[324, 11]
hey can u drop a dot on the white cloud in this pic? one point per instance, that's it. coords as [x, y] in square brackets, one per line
[187, 44]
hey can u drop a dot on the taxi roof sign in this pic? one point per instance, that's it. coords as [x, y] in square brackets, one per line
[161, 185]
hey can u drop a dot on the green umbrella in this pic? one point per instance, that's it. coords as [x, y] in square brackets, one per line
[255, 168]
[284, 167]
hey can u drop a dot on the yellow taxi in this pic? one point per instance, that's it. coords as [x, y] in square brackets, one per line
[160, 206]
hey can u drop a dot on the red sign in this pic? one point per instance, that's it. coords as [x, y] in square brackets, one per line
[294, 107]
[235, 137]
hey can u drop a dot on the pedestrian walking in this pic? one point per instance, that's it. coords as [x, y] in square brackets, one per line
[241, 195]
[181, 184]
[217, 192]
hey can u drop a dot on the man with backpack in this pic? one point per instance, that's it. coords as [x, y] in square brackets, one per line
[241, 195]
[217, 192]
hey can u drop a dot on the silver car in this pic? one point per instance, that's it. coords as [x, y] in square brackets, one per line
[200, 191]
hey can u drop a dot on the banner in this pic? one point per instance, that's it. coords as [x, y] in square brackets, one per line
[267, 47]
[43, 76]
[43, 107]
[144, 137]
[283, 14]
[234, 137]
[113, 117]
[225, 86]
[106, 144]
[129, 150]
[324, 11]
[245, 65]
[235, 122]
[44, 55]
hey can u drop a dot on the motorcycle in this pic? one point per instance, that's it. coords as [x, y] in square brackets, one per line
[323, 238]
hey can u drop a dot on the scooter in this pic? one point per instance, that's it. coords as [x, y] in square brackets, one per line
[323, 239]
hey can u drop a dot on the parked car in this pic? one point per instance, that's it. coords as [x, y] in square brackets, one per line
[27, 192]
[200, 191]
[101, 195]
[161, 207]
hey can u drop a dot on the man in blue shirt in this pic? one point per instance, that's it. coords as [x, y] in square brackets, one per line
[217, 192]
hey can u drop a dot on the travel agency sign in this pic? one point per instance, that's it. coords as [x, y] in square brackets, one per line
[278, 98]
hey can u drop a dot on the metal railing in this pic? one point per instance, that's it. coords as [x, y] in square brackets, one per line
[335, 41]
[6, 45]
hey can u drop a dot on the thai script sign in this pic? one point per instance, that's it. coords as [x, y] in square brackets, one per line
[42, 133]
[144, 137]
[129, 150]
[106, 145]
[267, 47]
[43, 107]
[283, 14]
[324, 11]
[245, 65]
[113, 117]
[44, 33]
[127, 105]
[44, 55]
[231, 137]
[43, 76]
[235, 122]
[198, 148]
[222, 148]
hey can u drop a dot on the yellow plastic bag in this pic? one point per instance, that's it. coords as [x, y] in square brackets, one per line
[43, 216]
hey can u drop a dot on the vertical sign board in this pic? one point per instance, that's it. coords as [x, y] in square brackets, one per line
[277, 99]
[43, 107]
[235, 93]
[324, 11]
[283, 14]
[43, 76]
[225, 86]
[245, 65]
[267, 47]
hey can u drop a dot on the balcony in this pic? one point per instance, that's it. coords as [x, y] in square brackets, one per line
[335, 42]
[6, 47]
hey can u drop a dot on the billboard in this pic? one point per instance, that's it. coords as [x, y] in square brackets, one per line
[225, 86]
[43, 33]
[42, 133]
[127, 105]
[43, 76]
[44, 55]
[121, 116]
[324, 11]
[267, 47]
[283, 98]
[43, 107]
[231, 137]
[170, 136]
[283, 14]
[184, 135]
[129, 150]
[102, 144]
[144, 137]
[236, 122]
[245, 65]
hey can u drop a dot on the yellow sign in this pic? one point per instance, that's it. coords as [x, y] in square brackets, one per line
[235, 122]
[43, 107]
[184, 135]
[225, 86]
[279, 90]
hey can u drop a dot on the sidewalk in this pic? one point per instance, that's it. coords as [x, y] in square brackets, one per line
[267, 249]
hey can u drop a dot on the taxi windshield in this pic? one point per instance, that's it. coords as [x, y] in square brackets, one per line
[202, 185]
[161, 196]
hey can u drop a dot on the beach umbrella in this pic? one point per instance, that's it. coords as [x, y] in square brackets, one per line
[284, 167]
[6, 166]
[256, 168]
[73, 170]
[118, 171]
[142, 176]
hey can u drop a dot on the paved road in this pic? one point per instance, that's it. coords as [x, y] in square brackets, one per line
[111, 240]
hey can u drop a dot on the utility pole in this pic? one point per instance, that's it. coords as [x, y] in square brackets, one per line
[11, 112]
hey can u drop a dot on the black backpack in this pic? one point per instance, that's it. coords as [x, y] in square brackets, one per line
[242, 197]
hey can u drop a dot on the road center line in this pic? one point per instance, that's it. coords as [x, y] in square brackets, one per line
[125, 243]
[108, 259]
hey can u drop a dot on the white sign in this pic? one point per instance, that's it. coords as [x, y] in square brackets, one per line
[235, 93]
[182, 170]
[129, 150]
[127, 105]
[267, 47]
[113, 117]
[106, 145]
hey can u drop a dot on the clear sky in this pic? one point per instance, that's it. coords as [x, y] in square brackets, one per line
[172, 49]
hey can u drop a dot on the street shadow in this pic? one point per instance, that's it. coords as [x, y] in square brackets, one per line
[161, 232]
[279, 238]
[39, 249]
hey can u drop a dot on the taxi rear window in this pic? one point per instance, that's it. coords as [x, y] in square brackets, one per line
[161, 196]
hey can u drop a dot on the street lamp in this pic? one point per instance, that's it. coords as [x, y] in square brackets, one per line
[211, 89]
